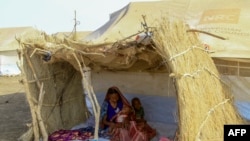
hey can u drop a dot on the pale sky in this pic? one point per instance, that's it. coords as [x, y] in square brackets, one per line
[54, 16]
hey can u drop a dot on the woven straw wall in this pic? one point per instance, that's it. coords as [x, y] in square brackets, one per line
[205, 104]
[63, 105]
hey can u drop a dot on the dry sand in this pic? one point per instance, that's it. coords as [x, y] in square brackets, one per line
[14, 109]
[10, 85]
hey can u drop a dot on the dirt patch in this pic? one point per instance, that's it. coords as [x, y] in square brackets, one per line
[14, 109]
[10, 85]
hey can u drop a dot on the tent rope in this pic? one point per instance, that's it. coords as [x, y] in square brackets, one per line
[208, 115]
[187, 50]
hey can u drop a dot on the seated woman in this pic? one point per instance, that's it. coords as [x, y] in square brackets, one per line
[111, 107]
[116, 117]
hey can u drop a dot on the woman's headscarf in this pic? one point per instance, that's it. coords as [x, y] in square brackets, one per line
[104, 107]
[121, 96]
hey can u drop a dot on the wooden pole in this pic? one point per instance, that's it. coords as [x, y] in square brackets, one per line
[32, 105]
[87, 86]
[37, 109]
[38, 113]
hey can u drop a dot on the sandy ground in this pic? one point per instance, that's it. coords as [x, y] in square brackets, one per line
[10, 85]
[14, 109]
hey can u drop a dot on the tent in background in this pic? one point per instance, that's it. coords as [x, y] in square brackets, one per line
[9, 46]
[8, 49]
[77, 35]
[228, 21]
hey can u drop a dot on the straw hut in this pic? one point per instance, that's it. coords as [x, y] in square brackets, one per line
[166, 57]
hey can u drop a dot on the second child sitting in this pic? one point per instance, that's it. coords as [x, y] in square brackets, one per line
[138, 113]
[138, 109]
[141, 123]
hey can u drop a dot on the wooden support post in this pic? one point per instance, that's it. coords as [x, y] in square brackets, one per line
[37, 109]
[87, 86]
[38, 113]
[32, 105]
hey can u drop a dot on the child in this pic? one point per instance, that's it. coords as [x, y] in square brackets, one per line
[141, 123]
[121, 118]
[138, 109]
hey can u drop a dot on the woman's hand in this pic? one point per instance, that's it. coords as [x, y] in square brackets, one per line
[119, 125]
[112, 125]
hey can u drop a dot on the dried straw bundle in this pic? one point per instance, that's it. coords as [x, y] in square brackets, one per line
[205, 103]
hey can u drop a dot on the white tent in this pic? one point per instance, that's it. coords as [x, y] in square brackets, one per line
[8, 49]
[229, 22]
[9, 46]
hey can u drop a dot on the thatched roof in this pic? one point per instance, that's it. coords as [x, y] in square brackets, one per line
[109, 56]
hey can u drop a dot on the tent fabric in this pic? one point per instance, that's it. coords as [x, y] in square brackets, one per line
[228, 21]
[9, 46]
[8, 63]
[9, 49]
[8, 35]
[240, 86]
